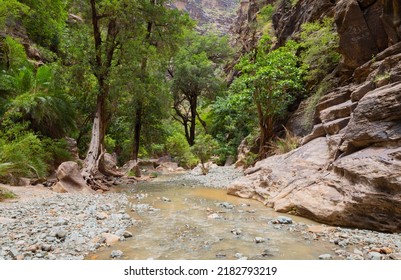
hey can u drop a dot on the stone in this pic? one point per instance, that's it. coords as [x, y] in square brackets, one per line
[110, 239]
[165, 199]
[101, 216]
[284, 220]
[236, 231]
[325, 257]
[127, 234]
[214, 216]
[46, 247]
[61, 234]
[374, 256]
[70, 180]
[259, 240]
[238, 255]
[116, 254]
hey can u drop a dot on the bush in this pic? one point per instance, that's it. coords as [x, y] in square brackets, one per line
[320, 42]
[284, 145]
[203, 149]
[6, 194]
[178, 147]
[21, 154]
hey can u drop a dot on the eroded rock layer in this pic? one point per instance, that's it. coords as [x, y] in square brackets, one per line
[348, 170]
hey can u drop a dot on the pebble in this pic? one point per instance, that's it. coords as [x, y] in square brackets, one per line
[116, 254]
[374, 256]
[284, 220]
[259, 240]
[214, 216]
[127, 234]
[325, 257]
[61, 227]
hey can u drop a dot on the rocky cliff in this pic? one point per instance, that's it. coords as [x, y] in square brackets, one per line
[348, 170]
[215, 15]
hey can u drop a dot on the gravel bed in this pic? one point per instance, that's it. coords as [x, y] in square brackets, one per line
[350, 244]
[64, 226]
[219, 177]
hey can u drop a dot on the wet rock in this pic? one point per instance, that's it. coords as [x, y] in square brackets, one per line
[116, 254]
[284, 220]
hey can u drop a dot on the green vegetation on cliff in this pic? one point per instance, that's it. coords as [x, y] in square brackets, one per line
[134, 78]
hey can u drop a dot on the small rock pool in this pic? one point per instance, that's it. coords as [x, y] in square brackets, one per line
[179, 220]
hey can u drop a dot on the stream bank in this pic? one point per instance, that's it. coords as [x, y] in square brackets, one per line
[175, 217]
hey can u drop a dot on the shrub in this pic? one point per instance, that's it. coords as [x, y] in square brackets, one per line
[320, 42]
[203, 149]
[21, 154]
[284, 145]
[178, 147]
[6, 194]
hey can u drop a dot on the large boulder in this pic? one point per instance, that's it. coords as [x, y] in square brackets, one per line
[70, 180]
[363, 191]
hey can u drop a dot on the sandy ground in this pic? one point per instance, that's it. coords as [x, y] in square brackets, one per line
[26, 193]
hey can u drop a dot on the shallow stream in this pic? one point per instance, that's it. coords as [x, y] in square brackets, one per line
[178, 220]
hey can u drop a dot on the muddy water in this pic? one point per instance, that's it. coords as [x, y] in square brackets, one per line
[182, 228]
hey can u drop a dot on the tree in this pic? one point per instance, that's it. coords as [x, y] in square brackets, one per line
[203, 149]
[273, 78]
[163, 28]
[195, 75]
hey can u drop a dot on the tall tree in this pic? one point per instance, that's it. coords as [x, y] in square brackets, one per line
[162, 35]
[195, 75]
[273, 78]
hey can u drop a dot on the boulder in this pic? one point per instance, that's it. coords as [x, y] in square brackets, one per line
[361, 190]
[69, 179]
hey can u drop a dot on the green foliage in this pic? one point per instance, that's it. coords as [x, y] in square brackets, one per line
[11, 9]
[323, 87]
[178, 147]
[21, 153]
[45, 21]
[284, 145]
[319, 42]
[40, 102]
[4, 193]
[196, 77]
[12, 54]
[273, 79]
[250, 159]
[204, 147]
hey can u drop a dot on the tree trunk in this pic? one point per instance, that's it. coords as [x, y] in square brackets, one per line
[139, 107]
[266, 134]
[193, 104]
[137, 130]
[101, 71]
[96, 149]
